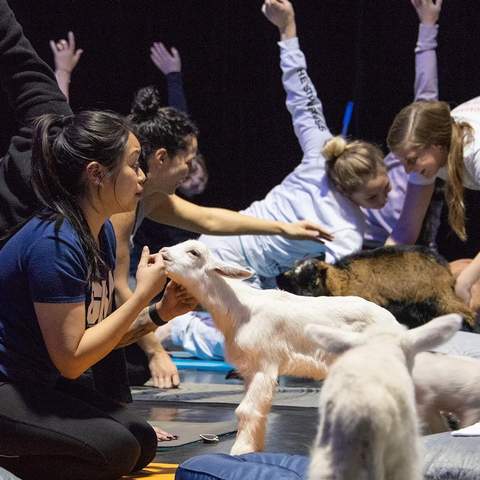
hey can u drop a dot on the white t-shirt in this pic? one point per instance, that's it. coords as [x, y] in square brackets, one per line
[466, 112]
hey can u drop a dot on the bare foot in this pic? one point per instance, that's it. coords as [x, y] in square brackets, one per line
[163, 436]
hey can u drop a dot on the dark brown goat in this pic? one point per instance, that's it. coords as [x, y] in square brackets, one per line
[412, 282]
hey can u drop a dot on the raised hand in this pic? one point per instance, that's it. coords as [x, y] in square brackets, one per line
[64, 54]
[151, 276]
[306, 230]
[428, 11]
[167, 62]
[282, 15]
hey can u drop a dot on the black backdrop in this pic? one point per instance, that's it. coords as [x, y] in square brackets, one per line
[356, 49]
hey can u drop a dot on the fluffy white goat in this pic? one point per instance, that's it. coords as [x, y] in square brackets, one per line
[368, 426]
[263, 329]
[446, 383]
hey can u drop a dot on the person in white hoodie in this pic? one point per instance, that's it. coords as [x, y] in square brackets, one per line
[333, 180]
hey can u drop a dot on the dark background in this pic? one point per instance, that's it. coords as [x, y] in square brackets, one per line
[356, 49]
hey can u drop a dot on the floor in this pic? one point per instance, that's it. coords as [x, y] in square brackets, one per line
[290, 429]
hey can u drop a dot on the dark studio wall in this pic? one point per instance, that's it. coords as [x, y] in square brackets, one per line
[356, 49]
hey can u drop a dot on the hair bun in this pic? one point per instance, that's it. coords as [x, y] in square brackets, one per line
[334, 147]
[146, 102]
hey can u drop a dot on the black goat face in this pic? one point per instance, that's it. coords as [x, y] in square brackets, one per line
[306, 278]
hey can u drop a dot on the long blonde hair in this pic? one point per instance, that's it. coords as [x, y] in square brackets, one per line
[426, 123]
[351, 164]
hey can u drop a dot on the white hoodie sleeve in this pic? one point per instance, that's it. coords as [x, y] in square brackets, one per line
[302, 100]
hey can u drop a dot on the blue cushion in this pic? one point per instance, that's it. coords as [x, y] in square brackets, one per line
[445, 457]
[251, 466]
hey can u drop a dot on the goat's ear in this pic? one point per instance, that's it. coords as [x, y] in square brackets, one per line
[333, 340]
[433, 333]
[231, 271]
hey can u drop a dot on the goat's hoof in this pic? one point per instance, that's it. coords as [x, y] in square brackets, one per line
[241, 448]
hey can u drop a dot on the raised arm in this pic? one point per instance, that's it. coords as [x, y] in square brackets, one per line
[170, 64]
[28, 81]
[302, 100]
[417, 197]
[65, 57]
[426, 74]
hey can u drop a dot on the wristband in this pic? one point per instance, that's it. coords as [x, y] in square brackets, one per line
[154, 316]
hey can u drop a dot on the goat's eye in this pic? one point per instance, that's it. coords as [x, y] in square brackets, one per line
[194, 253]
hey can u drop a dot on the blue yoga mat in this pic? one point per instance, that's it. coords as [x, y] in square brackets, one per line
[199, 364]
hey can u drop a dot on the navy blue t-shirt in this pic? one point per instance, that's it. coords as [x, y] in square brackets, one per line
[41, 265]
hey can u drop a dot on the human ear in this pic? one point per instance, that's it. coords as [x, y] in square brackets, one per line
[95, 173]
[160, 155]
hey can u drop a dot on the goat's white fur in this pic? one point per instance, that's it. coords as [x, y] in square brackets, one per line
[368, 427]
[446, 383]
[263, 329]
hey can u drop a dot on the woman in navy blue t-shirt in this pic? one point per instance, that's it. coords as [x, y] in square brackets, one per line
[56, 294]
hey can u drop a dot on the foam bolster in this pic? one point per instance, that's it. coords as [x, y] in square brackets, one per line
[251, 466]
[445, 457]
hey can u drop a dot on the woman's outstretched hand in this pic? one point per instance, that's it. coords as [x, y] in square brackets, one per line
[306, 230]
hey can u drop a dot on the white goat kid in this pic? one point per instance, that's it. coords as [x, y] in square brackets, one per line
[263, 329]
[368, 426]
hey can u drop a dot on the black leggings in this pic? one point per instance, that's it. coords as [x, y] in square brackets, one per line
[70, 432]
